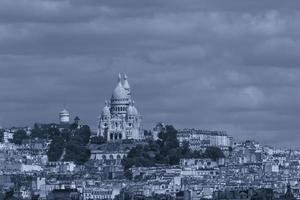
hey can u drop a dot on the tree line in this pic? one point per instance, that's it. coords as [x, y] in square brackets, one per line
[166, 151]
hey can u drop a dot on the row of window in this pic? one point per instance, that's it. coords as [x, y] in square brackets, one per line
[115, 136]
[119, 109]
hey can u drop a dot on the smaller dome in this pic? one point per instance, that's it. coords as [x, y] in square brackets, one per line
[134, 109]
[130, 110]
[105, 110]
[64, 112]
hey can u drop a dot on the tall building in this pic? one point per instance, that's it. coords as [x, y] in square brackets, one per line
[120, 119]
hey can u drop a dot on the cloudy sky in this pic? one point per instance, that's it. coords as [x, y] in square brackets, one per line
[222, 65]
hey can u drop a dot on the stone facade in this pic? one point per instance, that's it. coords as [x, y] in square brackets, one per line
[120, 119]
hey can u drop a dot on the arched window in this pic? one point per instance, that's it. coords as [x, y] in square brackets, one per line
[111, 136]
[104, 157]
[120, 136]
[111, 157]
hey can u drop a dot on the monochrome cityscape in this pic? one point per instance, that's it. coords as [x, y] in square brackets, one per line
[149, 100]
[121, 160]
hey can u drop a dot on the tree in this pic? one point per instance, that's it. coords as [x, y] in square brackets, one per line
[56, 148]
[98, 140]
[19, 136]
[214, 153]
[77, 152]
[1, 135]
[165, 151]
[76, 145]
[128, 174]
[169, 137]
[45, 132]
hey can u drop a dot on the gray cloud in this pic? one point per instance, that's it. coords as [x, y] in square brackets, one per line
[204, 64]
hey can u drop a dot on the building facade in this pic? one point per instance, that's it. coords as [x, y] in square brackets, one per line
[120, 119]
[201, 139]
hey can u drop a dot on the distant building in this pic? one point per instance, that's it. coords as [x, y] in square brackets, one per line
[160, 127]
[8, 135]
[108, 157]
[77, 120]
[120, 119]
[248, 194]
[201, 139]
[101, 192]
[64, 117]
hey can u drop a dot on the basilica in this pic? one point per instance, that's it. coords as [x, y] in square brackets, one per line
[120, 119]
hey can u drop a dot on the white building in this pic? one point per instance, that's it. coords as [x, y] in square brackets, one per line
[7, 136]
[64, 117]
[201, 139]
[120, 119]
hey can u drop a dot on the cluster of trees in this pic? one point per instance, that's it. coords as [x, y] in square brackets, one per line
[165, 151]
[71, 145]
[56, 148]
[7, 195]
[37, 132]
[19, 136]
[127, 195]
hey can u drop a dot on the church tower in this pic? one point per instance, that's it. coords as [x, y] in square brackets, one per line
[120, 119]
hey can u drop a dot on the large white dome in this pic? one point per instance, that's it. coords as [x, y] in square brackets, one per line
[119, 92]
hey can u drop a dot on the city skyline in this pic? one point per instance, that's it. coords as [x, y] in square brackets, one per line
[232, 67]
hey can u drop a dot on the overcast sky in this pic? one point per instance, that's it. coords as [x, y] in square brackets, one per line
[221, 65]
